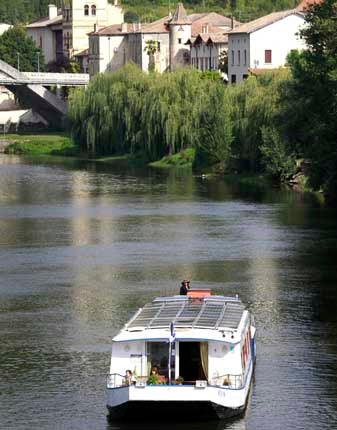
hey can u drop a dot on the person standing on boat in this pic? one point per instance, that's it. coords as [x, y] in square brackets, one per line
[185, 286]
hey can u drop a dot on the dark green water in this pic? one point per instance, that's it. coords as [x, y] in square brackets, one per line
[83, 246]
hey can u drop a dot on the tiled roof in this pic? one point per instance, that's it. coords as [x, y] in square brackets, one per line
[198, 21]
[194, 16]
[255, 71]
[264, 21]
[217, 37]
[214, 18]
[82, 53]
[180, 16]
[159, 26]
[115, 29]
[198, 27]
[45, 22]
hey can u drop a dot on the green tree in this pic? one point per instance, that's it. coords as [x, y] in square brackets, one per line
[310, 101]
[223, 61]
[18, 50]
[277, 158]
[215, 134]
[151, 47]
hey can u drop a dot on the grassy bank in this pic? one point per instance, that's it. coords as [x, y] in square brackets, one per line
[183, 158]
[40, 144]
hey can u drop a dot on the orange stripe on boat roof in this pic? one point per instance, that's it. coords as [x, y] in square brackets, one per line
[199, 293]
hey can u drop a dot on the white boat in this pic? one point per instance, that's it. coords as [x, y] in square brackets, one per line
[204, 348]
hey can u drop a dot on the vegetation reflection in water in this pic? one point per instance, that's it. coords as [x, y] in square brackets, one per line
[81, 249]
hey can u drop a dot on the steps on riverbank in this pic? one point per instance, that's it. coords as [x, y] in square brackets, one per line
[3, 144]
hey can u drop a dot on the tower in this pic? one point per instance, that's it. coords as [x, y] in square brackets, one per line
[180, 32]
[82, 17]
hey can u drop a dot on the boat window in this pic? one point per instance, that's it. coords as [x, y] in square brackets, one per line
[157, 355]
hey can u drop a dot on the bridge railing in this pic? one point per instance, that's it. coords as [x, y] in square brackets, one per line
[58, 78]
[9, 74]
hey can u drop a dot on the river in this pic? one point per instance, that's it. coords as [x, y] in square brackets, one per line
[83, 245]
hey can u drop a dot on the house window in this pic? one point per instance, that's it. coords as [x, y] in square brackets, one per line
[239, 57]
[158, 46]
[233, 79]
[40, 42]
[267, 56]
[245, 57]
[93, 10]
[244, 77]
[86, 10]
[232, 58]
[179, 41]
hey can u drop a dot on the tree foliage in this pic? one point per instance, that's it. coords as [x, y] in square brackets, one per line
[131, 111]
[20, 11]
[151, 47]
[310, 101]
[19, 50]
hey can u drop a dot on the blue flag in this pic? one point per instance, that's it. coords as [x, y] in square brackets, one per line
[173, 333]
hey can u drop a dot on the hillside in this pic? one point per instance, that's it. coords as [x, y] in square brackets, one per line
[22, 11]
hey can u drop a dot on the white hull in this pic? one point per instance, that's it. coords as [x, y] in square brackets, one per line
[224, 402]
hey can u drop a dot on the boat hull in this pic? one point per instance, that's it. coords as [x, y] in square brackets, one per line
[181, 410]
[132, 403]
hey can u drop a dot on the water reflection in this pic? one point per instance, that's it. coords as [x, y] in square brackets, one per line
[82, 245]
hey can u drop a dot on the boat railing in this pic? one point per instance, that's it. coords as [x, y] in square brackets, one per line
[115, 380]
[227, 380]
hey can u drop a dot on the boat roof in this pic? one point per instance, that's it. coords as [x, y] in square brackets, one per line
[191, 317]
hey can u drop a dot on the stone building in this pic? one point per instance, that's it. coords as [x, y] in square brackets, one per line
[209, 40]
[174, 37]
[64, 32]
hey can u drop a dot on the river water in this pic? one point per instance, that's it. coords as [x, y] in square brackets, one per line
[82, 246]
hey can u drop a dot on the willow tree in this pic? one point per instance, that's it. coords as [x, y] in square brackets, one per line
[129, 111]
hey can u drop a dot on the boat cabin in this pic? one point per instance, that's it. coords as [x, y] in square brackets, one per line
[196, 339]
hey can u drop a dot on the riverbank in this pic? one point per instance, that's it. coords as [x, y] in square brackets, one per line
[61, 144]
[39, 144]
[182, 159]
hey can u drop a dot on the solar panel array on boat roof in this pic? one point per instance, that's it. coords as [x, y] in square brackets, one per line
[213, 312]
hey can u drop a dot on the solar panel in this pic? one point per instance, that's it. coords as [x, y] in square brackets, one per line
[211, 312]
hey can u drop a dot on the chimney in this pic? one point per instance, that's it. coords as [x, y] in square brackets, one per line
[124, 27]
[139, 26]
[95, 28]
[52, 11]
[133, 26]
[204, 28]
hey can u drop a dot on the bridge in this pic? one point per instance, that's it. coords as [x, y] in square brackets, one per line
[30, 90]
[46, 79]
